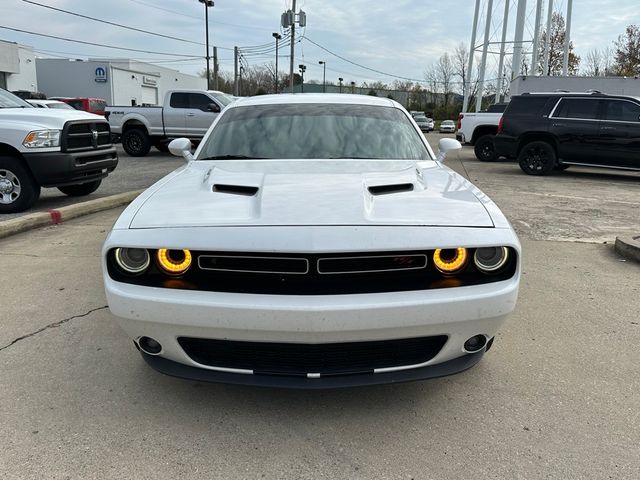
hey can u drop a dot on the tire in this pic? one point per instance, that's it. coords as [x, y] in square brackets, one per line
[136, 142]
[18, 189]
[80, 190]
[485, 149]
[537, 158]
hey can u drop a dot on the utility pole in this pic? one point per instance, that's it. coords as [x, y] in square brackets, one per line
[207, 4]
[235, 71]
[567, 39]
[324, 75]
[547, 40]
[483, 62]
[472, 51]
[277, 36]
[293, 49]
[215, 68]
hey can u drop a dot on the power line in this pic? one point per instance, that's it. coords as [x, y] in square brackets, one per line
[95, 44]
[112, 23]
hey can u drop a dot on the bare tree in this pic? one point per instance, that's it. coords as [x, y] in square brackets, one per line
[431, 76]
[460, 63]
[445, 72]
[608, 61]
[593, 63]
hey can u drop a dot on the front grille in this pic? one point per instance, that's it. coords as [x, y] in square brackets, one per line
[313, 274]
[303, 358]
[83, 136]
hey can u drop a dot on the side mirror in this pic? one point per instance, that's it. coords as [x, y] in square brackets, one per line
[445, 145]
[181, 147]
[213, 107]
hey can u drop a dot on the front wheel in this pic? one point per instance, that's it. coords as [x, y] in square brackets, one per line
[80, 190]
[537, 158]
[18, 189]
[136, 142]
[485, 149]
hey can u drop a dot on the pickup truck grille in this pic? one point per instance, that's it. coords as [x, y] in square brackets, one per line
[80, 136]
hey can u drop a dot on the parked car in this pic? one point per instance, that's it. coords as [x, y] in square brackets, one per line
[186, 113]
[50, 104]
[423, 123]
[312, 241]
[447, 126]
[42, 147]
[555, 130]
[432, 124]
[87, 104]
[479, 129]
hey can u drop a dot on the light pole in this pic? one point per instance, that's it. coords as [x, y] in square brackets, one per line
[240, 87]
[340, 79]
[277, 36]
[207, 4]
[302, 68]
[353, 87]
[324, 75]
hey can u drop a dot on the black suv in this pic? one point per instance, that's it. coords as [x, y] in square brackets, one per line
[554, 130]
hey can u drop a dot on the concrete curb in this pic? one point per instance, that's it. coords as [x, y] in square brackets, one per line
[628, 247]
[52, 217]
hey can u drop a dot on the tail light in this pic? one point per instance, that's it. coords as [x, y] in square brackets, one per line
[501, 124]
[460, 117]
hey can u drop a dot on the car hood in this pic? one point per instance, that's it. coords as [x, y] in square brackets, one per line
[45, 117]
[312, 192]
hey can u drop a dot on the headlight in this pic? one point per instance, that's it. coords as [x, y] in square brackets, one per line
[491, 259]
[132, 261]
[42, 139]
[174, 262]
[450, 260]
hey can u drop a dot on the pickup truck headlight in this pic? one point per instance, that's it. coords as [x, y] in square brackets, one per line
[42, 139]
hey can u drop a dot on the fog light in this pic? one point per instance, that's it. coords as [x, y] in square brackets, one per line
[475, 343]
[149, 345]
[174, 262]
[132, 261]
[491, 259]
[450, 260]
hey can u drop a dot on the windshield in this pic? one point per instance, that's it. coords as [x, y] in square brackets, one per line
[420, 119]
[313, 131]
[9, 100]
[447, 122]
[223, 98]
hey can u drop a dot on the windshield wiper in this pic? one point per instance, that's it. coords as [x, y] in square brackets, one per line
[233, 157]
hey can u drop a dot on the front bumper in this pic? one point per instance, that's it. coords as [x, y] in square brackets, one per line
[180, 370]
[56, 169]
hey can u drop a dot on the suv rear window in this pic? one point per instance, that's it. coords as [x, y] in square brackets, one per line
[578, 108]
[621, 111]
[526, 105]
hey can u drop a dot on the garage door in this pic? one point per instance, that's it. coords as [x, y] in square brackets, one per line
[149, 95]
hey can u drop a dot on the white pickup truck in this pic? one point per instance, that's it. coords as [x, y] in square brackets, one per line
[40, 147]
[186, 113]
[478, 129]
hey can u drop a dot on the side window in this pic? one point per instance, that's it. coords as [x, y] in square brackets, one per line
[578, 108]
[622, 111]
[199, 101]
[179, 100]
[527, 105]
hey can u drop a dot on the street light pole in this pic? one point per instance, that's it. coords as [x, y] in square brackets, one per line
[324, 75]
[277, 36]
[207, 4]
[353, 87]
[302, 68]
[340, 79]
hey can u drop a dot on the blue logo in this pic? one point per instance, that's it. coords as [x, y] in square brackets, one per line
[101, 75]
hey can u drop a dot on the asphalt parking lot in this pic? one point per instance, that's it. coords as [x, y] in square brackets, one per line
[557, 397]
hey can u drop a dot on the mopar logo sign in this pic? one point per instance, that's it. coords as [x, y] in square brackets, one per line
[101, 75]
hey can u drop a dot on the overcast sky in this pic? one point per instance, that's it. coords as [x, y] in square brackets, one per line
[401, 37]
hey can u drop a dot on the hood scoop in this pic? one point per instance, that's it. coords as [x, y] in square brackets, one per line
[246, 190]
[391, 188]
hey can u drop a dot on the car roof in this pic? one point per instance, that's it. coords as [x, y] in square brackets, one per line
[328, 98]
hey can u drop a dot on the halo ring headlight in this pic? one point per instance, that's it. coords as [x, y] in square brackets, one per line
[491, 259]
[174, 262]
[450, 260]
[132, 261]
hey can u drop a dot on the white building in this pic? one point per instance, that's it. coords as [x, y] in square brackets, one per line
[118, 81]
[611, 85]
[17, 67]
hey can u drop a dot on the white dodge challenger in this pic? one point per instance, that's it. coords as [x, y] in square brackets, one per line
[312, 241]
